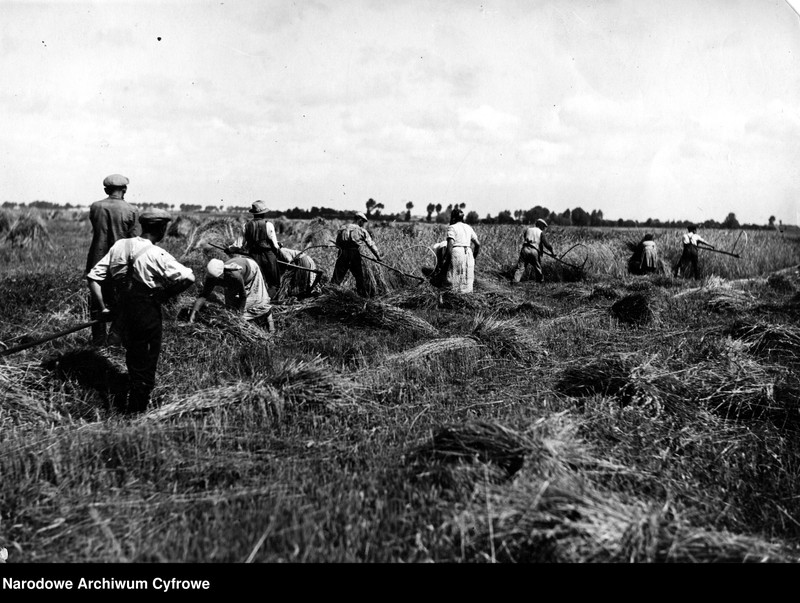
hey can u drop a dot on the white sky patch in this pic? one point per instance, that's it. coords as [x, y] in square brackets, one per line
[639, 108]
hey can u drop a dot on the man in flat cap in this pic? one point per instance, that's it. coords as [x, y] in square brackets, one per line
[533, 244]
[143, 276]
[112, 219]
[350, 239]
[261, 244]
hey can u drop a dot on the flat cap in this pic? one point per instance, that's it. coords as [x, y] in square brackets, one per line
[115, 180]
[540, 222]
[258, 207]
[360, 216]
[154, 215]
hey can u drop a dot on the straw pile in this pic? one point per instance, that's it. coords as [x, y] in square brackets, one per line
[220, 232]
[729, 300]
[781, 282]
[507, 337]
[606, 376]
[311, 382]
[26, 229]
[436, 347]
[768, 339]
[346, 306]
[635, 309]
[183, 226]
[527, 308]
[215, 322]
[484, 442]
[317, 232]
[255, 394]
[603, 292]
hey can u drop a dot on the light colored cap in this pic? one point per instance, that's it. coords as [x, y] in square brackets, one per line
[259, 207]
[540, 222]
[361, 216]
[215, 268]
[115, 180]
[154, 215]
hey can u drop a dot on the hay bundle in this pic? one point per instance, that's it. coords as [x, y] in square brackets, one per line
[304, 382]
[528, 308]
[183, 226]
[317, 232]
[605, 376]
[422, 297]
[219, 232]
[217, 322]
[477, 441]
[603, 292]
[346, 306]
[729, 300]
[507, 337]
[436, 347]
[634, 309]
[26, 229]
[259, 394]
[769, 339]
[781, 282]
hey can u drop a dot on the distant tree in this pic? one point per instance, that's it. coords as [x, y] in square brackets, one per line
[533, 214]
[565, 218]
[371, 203]
[377, 208]
[462, 205]
[188, 207]
[438, 208]
[409, 207]
[730, 221]
[430, 209]
[9, 204]
[596, 217]
[580, 217]
[505, 217]
[472, 217]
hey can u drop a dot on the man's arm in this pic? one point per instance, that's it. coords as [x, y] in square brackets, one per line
[371, 244]
[97, 294]
[546, 244]
[236, 283]
[208, 287]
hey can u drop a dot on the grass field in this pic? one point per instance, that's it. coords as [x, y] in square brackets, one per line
[597, 417]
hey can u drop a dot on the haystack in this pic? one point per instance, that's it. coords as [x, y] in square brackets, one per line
[304, 382]
[259, 394]
[27, 229]
[781, 340]
[635, 309]
[346, 306]
[508, 337]
[485, 442]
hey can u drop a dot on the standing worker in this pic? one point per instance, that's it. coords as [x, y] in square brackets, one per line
[689, 255]
[350, 240]
[533, 244]
[261, 244]
[459, 258]
[144, 276]
[245, 290]
[112, 219]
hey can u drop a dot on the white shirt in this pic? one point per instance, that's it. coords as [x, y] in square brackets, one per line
[154, 268]
[693, 239]
[462, 234]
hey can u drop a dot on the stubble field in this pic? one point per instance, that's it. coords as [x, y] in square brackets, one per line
[597, 417]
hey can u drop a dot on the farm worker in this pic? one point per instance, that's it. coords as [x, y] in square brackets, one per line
[245, 290]
[350, 239]
[144, 276]
[533, 244]
[649, 255]
[436, 275]
[261, 244]
[112, 219]
[689, 255]
[300, 283]
[459, 257]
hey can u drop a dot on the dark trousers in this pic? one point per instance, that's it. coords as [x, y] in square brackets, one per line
[529, 256]
[688, 260]
[350, 260]
[270, 269]
[141, 334]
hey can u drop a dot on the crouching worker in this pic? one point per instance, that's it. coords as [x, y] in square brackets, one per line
[245, 290]
[144, 276]
[301, 279]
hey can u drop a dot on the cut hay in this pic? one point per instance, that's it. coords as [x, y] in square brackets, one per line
[27, 229]
[436, 347]
[216, 322]
[183, 226]
[729, 300]
[781, 283]
[508, 337]
[634, 309]
[603, 292]
[606, 376]
[422, 297]
[258, 394]
[312, 382]
[477, 441]
[348, 307]
[217, 232]
[317, 232]
[526, 308]
[768, 339]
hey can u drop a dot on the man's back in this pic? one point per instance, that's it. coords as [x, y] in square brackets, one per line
[112, 220]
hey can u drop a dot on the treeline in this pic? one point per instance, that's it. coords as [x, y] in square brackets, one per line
[436, 212]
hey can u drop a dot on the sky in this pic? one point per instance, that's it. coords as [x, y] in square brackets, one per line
[684, 110]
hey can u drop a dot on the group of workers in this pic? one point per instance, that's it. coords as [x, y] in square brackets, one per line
[129, 276]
